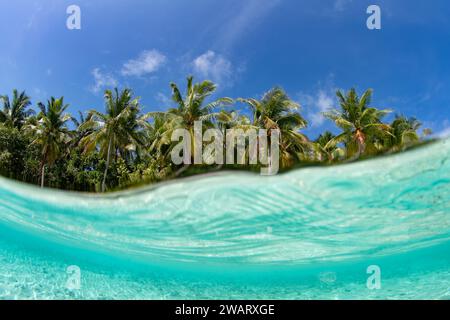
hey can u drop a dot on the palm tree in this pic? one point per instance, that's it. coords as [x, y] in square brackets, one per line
[81, 131]
[160, 134]
[403, 133]
[118, 131]
[160, 144]
[361, 125]
[327, 151]
[191, 108]
[277, 111]
[15, 112]
[229, 120]
[51, 132]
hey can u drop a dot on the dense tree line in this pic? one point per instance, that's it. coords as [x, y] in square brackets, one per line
[123, 147]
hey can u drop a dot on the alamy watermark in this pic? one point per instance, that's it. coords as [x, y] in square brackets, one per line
[73, 281]
[374, 280]
[374, 20]
[232, 146]
[73, 22]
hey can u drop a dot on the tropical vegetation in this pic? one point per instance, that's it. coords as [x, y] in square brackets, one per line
[123, 147]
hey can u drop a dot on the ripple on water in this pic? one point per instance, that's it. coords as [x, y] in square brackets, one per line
[371, 210]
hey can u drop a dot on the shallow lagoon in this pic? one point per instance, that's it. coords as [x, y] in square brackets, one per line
[307, 234]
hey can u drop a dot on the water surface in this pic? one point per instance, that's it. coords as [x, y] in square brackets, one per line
[306, 234]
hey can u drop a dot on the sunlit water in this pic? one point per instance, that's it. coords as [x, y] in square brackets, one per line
[307, 234]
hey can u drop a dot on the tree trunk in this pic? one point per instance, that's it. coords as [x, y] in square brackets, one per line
[108, 158]
[361, 140]
[42, 175]
[359, 151]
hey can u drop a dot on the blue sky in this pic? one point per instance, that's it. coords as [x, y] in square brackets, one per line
[311, 48]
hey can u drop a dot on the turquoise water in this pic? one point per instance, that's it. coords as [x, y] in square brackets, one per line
[307, 234]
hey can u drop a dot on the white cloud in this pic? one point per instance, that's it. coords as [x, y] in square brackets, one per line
[164, 99]
[315, 104]
[324, 102]
[321, 100]
[214, 67]
[102, 80]
[147, 62]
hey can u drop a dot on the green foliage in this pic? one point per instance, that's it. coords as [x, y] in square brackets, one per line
[123, 148]
[117, 133]
[277, 111]
[12, 152]
[403, 133]
[50, 132]
[361, 125]
[327, 149]
[15, 112]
